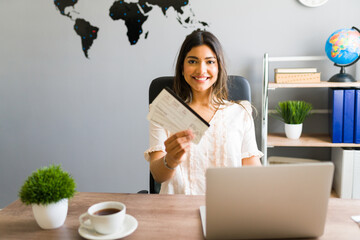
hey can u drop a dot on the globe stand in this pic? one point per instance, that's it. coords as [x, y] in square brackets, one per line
[342, 76]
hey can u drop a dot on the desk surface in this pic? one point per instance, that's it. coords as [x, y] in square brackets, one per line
[159, 217]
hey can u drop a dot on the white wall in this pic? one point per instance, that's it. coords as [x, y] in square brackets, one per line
[56, 106]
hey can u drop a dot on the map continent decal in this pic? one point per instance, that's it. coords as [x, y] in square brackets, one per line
[62, 4]
[133, 14]
[134, 19]
[87, 33]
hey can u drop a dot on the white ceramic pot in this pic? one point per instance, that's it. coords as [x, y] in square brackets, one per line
[293, 131]
[52, 215]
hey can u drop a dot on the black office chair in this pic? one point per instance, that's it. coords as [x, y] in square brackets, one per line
[239, 89]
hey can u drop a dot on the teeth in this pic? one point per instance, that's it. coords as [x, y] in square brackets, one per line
[201, 79]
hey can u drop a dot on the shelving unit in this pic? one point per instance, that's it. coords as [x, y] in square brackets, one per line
[306, 140]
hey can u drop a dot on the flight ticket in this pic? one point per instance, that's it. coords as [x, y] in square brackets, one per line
[172, 113]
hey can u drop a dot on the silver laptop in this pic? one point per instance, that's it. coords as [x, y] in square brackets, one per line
[276, 201]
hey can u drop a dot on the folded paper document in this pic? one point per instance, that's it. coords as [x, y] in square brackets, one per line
[173, 114]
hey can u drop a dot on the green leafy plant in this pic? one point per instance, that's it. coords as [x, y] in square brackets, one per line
[47, 185]
[293, 112]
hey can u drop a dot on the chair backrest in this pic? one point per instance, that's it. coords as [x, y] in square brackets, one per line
[239, 89]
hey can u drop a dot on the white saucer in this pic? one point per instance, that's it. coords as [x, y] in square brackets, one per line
[130, 225]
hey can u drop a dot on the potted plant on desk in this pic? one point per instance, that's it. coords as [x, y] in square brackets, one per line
[293, 114]
[48, 190]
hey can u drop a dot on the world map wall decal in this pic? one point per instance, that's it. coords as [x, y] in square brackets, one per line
[133, 14]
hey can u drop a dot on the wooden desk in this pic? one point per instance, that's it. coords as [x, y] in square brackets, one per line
[159, 217]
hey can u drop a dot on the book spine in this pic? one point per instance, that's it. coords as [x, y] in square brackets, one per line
[336, 98]
[343, 160]
[348, 122]
[357, 117]
[356, 175]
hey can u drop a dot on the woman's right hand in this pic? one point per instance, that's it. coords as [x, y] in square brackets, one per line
[176, 146]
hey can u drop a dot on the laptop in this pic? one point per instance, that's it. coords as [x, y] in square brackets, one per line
[276, 201]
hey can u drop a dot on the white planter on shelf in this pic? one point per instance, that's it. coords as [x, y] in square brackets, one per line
[52, 215]
[293, 131]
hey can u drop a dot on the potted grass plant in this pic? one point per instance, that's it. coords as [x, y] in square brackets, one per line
[293, 114]
[47, 190]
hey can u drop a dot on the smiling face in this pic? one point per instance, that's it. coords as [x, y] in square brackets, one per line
[200, 68]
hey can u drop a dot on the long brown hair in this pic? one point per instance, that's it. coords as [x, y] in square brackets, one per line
[219, 89]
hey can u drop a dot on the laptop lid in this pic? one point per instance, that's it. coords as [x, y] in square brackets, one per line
[276, 201]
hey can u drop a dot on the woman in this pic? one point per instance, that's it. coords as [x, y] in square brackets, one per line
[201, 81]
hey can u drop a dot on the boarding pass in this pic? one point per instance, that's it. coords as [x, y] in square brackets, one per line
[173, 114]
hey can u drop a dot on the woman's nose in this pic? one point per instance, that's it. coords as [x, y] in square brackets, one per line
[202, 67]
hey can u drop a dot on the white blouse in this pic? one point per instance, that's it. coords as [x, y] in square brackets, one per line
[229, 139]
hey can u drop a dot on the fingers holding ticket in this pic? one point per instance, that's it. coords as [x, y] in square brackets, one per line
[177, 145]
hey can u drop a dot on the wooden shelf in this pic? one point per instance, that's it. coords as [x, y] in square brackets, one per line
[273, 85]
[306, 140]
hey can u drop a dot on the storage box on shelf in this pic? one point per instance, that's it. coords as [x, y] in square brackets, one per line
[306, 140]
[297, 75]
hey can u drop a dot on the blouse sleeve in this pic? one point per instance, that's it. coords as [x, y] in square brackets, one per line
[249, 147]
[157, 137]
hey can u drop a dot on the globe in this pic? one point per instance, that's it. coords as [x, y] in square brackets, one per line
[343, 46]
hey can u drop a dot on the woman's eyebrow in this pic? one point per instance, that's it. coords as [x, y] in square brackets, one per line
[211, 57]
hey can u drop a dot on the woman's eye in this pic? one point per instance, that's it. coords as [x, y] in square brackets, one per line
[191, 61]
[211, 62]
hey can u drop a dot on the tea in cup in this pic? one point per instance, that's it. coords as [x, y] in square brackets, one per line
[104, 217]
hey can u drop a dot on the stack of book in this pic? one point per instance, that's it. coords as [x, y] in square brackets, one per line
[347, 172]
[296, 75]
[344, 115]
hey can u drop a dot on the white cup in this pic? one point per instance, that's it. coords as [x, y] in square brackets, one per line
[100, 219]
